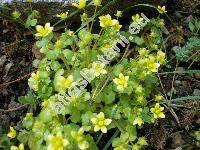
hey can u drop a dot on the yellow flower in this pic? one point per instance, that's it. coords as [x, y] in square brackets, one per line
[161, 57]
[12, 133]
[16, 14]
[35, 76]
[117, 26]
[106, 21]
[161, 10]
[56, 142]
[158, 97]
[79, 137]
[43, 31]
[153, 34]
[71, 33]
[120, 148]
[137, 19]
[121, 82]
[161, 23]
[157, 111]
[154, 47]
[139, 89]
[142, 141]
[66, 83]
[33, 81]
[62, 16]
[97, 2]
[21, 147]
[80, 5]
[136, 147]
[118, 14]
[98, 68]
[141, 99]
[143, 52]
[152, 65]
[100, 122]
[138, 121]
[58, 44]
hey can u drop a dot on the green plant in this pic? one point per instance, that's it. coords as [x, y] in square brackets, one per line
[191, 49]
[87, 87]
[197, 135]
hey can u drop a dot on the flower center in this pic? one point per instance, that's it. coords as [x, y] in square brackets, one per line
[101, 123]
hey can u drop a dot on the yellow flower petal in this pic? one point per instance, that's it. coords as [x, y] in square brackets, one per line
[107, 121]
[138, 120]
[12, 133]
[96, 128]
[94, 120]
[121, 82]
[157, 111]
[101, 116]
[21, 146]
[14, 148]
[100, 122]
[80, 5]
[43, 31]
[104, 129]
[65, 142]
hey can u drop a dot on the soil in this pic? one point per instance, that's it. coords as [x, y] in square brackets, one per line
[15, 67]
[173, 132]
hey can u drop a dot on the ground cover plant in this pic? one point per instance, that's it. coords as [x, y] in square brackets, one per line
[100, 84]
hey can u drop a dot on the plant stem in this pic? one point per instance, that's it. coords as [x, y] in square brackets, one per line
[93, 20]
[99, 138]
[65, 62]
[111, 139]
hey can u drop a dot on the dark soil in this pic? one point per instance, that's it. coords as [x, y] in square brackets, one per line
[15, 67]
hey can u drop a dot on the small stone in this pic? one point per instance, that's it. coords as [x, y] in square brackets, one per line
[196, 92]
[2, 60]
[7, 69]
[36, 52]
[177, 82]
[197, 75]
[180, 69]
[36, 63]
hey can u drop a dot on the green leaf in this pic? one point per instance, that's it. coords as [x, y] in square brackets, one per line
[68, 55]
[44, 42]
[33, 22]
[186, 98]
[46, 115]
[138, 40]
[85, 36]
[30, 98]
[86, 117]
[127, 111]
[145, 115]
[75, 115]
[23, 136]
[132, 132]
[55, 65]
[109, 97]
[28, 121]
[116, 142]
[182, 72]
[4, 142]
[191, 26]
[117, 69]
[124, 137]
[53, 54]
[30, 21]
